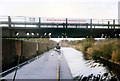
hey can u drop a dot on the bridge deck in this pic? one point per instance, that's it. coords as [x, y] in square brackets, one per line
[17, 28]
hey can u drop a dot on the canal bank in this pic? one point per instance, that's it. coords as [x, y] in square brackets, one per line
[72, 64]
[80, 66]
[112, 65]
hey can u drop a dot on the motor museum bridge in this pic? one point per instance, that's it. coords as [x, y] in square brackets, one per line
[36, 27]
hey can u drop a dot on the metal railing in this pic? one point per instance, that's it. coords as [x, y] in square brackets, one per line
[21, 21]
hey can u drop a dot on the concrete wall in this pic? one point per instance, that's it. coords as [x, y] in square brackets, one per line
[8, 51]
[42, 47]
[18, 47]
[29, 48]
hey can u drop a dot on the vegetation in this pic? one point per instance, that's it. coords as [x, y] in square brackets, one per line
[108, 49]
[44, 40]
[84, 44]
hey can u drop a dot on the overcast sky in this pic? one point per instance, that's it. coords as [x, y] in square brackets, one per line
[98, 9]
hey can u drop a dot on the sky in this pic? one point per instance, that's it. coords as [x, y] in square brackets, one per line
[98, 9]
[89, 9]
[72, 39]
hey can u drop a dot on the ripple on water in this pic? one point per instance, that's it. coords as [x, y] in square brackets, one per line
[79, 66]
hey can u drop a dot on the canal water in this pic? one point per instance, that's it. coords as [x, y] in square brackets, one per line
[80, 66]
[44, 67]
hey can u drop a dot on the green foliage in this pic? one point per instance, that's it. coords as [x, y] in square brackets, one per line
[86, 43]
[96, 54]
[108, 49]
[90, 40]
[76, 42]
[85, 46]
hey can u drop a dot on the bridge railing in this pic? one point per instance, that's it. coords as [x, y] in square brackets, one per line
[106, 23]
[21, 21]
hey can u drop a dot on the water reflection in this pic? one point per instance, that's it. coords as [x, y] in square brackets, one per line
[112, 68]
[81, 66]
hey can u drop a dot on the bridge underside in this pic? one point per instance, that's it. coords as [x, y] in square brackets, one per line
[30, 32]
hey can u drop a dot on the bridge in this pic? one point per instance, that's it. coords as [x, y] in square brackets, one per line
[36, 27]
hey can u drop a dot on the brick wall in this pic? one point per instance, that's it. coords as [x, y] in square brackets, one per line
[12, 48]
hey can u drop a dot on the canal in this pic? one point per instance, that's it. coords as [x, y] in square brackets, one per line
[80, 66]
[73, 64]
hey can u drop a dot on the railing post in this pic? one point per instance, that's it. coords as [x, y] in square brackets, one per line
[57, 25]
[86, 25]
[91, 24]
[39, 22]
[114, 24]
[66, 22]
[76, 26]
[63, 25]
[9, 21]
[25, 21]
[108, 24]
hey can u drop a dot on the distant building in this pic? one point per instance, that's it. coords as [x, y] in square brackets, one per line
[119, 12]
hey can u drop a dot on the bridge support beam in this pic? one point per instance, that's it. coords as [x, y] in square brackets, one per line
[14, 32]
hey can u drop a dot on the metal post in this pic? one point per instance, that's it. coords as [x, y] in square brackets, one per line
[114, 24]
[9, 21]
[39, 22]
[91, 24]
[108, 24]
[19, 58]
[25, 21]
[63, 25]
[66, 22]
[86, 25]
[76, 26]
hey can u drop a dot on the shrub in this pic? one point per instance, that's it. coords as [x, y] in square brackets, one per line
[85, 46]
[107, 51]
[96, 54]
[114, 57]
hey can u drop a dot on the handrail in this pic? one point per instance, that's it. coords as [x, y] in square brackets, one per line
[66, 23]
[20, 65]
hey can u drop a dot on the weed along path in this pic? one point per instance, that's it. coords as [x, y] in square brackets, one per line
[51, 65]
